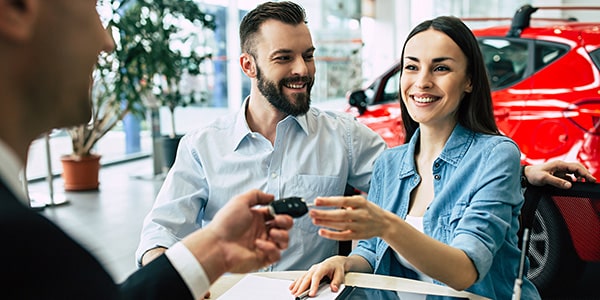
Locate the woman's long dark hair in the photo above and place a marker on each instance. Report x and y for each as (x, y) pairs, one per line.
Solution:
(475, 111)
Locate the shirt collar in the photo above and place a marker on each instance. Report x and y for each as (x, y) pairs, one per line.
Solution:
(303, 120)
(457, 145)
(241, 129)
(11, 171)
(240, 126)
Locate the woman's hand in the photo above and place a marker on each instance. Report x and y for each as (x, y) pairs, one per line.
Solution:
(357, 218)
(333, 267)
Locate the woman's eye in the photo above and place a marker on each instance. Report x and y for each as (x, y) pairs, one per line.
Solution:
(441, 68)
(410, 67)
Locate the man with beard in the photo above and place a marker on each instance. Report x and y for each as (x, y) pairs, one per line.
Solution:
(276, 143)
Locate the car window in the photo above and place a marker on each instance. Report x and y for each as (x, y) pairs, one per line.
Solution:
(546, 53)
(505, 60)
(596, 57)
(391, 89)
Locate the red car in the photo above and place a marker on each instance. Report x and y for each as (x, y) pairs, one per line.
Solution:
(545, 83)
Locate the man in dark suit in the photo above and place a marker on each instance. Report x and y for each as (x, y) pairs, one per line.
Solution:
(47, 51)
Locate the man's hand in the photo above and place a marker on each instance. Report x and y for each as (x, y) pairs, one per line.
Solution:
(557, 173)
(250, 236)
(242, 236)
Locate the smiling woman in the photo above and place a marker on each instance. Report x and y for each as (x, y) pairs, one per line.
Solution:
(539, 132)
(451, 191)
(434, 82)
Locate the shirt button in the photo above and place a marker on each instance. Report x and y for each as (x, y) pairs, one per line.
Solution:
(437, 177)
(273, 175)
(437, 165)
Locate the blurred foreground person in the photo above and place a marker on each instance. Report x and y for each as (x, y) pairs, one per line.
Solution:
(48, 49)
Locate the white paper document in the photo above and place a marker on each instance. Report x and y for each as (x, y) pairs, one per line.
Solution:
(256, 287)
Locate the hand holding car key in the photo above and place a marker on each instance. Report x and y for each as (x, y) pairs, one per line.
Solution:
(294, 207)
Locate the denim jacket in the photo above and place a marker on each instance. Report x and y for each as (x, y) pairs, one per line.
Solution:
(477, 201)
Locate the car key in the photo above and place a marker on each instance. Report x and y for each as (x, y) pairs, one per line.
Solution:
(295, 207)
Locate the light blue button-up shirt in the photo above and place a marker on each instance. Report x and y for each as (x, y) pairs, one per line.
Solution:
(313, 155)
(476, 204)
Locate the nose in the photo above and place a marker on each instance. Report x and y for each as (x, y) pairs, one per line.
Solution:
(299, 67)
(423, 80)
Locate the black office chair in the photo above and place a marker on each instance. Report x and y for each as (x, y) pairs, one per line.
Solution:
(345, 247)
(579, 192)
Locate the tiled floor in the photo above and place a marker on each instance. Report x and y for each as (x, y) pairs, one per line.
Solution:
(108, 221)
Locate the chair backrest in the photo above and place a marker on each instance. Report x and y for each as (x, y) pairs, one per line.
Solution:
(554, 258)
(533, 195)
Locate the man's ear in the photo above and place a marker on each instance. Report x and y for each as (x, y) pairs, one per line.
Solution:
(18, 18)
(248, 64)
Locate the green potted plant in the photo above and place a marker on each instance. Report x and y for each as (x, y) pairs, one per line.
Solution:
(180, 96)
(147, 35)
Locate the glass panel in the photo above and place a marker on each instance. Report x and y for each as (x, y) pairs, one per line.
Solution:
(505, 61)
(546, 53)
(391, 91)
(596, 58)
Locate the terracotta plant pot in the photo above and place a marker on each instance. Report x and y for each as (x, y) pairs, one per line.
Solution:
(80, 174)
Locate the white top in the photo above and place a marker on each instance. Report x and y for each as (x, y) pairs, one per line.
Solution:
(417, 223)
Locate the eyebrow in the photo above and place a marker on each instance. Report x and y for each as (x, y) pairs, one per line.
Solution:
(288, 51)
(435, 60)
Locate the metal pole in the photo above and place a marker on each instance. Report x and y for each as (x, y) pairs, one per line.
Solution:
(32, 202)
(61, 199)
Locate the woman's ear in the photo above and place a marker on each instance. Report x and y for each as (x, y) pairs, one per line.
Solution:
(18, 18)
(248, 64)
(469, 86)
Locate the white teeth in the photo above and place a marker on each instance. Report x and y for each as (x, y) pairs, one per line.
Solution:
(295, 86)
(425, 99)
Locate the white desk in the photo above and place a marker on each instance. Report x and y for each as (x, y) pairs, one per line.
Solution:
(358, 279)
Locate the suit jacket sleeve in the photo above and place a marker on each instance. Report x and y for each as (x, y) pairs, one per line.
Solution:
(40, 261)
(157, 280)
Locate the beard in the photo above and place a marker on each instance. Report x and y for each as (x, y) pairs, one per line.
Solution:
(274, 94)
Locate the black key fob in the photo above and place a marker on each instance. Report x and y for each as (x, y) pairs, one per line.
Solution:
(295, 207)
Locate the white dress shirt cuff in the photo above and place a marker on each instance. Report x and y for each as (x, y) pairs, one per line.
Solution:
(190, 270)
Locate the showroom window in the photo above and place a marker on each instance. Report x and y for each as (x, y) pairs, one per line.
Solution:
(335, 26)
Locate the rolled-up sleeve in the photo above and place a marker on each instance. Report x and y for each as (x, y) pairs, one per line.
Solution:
(493, 210)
